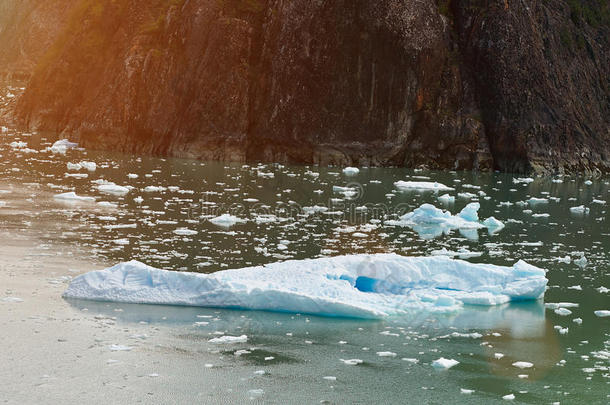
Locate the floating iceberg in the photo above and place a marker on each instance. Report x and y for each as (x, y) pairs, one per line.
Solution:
(430, 222)
(72, 196)
(360, 286)
(62, 146)
(349, 171)
(421, 185)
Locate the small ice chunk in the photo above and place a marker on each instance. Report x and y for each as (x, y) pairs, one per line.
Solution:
(466, 391)
(523, 364)
(350, 171)
(386, 354)
(352, 362)
(13, 300)
(602, 313)
(493, 225)
(330, 378)
(111, 188)
(563, 311)
(90, 166)
(446, 199)
(421, 185)
(444, 363)
(62, 146)
(577, 321)
(508, 397)
(226, 220)
(581, 209)
(185, 232)
(498, 355)
(71, 196)
(119, 348)
(226, 339)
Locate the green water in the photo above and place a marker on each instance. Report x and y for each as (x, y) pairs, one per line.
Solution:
(568, 367)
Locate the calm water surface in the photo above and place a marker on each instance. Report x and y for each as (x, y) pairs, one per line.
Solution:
(294, 213)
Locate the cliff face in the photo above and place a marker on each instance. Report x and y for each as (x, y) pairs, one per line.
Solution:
(27, 29)
(461, 84)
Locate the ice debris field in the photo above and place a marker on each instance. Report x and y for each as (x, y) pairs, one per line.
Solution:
(360, 286)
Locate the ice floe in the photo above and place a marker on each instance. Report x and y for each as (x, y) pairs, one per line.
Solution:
(444, 363)
(429, 221)
(73, 197)
(62, 146)
(421, 185)
(226, 220)
(362, 286)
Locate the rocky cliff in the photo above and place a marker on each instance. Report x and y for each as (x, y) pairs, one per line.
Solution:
(458, 84)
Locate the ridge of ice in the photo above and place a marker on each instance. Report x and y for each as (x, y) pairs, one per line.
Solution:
(360, 286)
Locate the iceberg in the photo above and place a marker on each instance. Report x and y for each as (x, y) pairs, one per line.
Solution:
(369, 286)
(61, 146)
(430, 222)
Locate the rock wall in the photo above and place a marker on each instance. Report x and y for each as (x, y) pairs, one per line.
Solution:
(462, 84)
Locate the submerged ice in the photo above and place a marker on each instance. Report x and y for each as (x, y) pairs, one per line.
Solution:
(362, 286)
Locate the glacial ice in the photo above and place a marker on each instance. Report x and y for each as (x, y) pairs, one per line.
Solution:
(430, 222)
(61, 146)
(421, 185)
(72, 196)
(349, 171)
(360, 286)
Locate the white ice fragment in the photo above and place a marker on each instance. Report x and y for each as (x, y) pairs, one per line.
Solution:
(119, 348)
(185, 232)
(71, 196)
(466, 391)
(577, 321)
(421, 185)
(498, 355)
(350, 171)
(536, 200)
(111, 188)
(563, 311)
(226, 339)
(493, 225)
(523, 364)
(226, 220)
(602, 313)
(524, 180)
(330, 378)
(446, 199)
(444, 363)
(62, 146)
(581, 209)
(90, 166)
(508, 397)
(386, 354)
(352, 362)
(13, 300)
